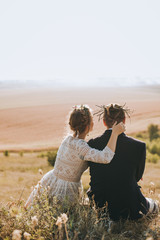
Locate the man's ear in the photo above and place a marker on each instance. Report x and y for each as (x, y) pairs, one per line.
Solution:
(104, 123)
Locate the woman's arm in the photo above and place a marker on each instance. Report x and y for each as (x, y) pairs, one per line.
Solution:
(105, 156)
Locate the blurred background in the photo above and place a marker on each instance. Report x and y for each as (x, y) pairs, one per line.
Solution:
(56, 54)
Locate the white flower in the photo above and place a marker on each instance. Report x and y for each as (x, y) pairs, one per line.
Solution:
(27, 236)
(86, 201)
(16, 235)
(64, 217)
(59, 222)
(40, 171)
(34, 221)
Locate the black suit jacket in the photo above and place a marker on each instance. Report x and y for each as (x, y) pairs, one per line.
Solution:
(116, 183)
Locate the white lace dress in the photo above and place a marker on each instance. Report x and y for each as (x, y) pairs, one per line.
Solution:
(65, 179)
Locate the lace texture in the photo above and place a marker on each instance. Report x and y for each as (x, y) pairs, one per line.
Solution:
(71, 162)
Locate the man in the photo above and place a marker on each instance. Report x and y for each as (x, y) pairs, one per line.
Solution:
(116, 183)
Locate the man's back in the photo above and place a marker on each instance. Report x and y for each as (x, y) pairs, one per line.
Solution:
(116, 182)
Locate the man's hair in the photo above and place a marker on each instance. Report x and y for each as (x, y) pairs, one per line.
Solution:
(113, 113)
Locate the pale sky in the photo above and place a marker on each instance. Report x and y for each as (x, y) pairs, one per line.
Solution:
(85, 39)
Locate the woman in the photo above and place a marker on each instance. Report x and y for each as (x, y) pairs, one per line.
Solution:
(65, 179)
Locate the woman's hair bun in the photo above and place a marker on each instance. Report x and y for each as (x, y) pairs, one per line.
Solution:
(80, 118)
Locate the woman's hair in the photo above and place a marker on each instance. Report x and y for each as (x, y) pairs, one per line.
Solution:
(113, 113)
(79, 119)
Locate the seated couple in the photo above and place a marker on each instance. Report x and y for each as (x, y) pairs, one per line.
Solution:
(116, 164)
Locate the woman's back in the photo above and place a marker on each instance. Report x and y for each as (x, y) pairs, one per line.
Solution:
(69, 166)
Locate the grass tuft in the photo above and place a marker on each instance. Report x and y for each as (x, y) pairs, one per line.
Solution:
(75, 221)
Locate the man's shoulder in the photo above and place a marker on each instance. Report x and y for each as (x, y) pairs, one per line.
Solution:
(135, 141)
(93, 142)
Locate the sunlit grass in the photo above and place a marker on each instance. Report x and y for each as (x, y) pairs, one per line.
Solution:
(70, 221)
(19, 172)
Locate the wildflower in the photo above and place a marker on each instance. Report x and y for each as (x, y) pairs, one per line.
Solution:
(40, 171)
(59, 222)
(19, 216)
(157, 202)
(152, 184)
(14, 211)
(39, 185)
(149, 238)
(64, 217)
(27, 236)
(10, 204)
(55, 200)
(151, 192)
(16, 235)
(152, 188)
(86, 201)
(140, 213)
(34, 221)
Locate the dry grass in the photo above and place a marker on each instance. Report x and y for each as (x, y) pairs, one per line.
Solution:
(82, 223)
(19, 173)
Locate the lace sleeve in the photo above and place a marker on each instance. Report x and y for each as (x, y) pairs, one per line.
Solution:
(90, 154)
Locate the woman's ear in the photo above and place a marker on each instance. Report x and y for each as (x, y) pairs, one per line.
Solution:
(87, 129)
(124, 120)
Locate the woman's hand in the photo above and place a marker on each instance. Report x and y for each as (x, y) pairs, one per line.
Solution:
(118, 128)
